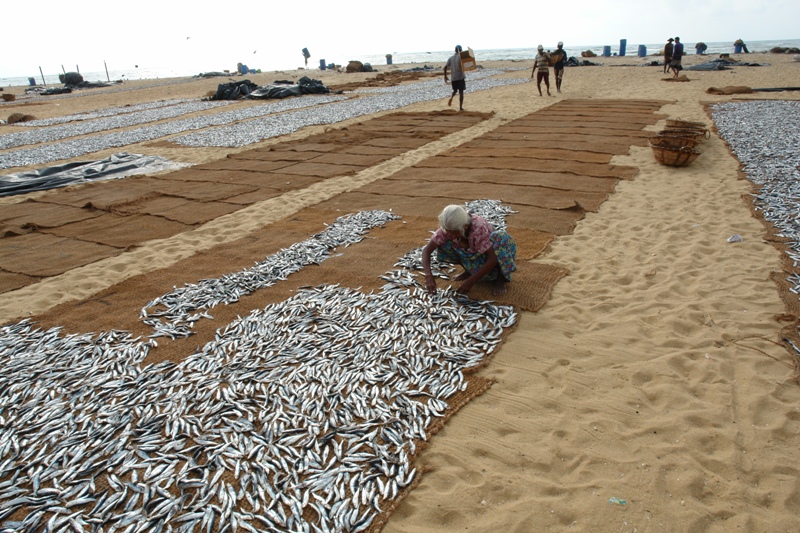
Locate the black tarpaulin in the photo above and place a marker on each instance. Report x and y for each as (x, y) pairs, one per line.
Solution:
(114, 167)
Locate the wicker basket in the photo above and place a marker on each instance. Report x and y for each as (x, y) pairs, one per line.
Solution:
(674, 157)
(690, 132)
(666, 138)
(9, 97)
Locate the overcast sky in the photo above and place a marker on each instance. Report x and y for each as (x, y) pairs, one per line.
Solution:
(270, 35)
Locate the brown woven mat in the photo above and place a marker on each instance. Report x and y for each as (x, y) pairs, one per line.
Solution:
(119, 231)
(146, 208)
(37, 254)
(553, 180)
(24, 217)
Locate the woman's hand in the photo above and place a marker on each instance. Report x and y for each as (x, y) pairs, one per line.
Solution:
(430, 283)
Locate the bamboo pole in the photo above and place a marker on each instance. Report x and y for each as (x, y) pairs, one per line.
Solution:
(107, 77)
(42, 73)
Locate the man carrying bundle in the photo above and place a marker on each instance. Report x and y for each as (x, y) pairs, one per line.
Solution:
(457, 77)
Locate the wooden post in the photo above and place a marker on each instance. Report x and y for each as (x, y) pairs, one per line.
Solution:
(78, 70)
(62, 69)
(42, 73)
(104, 64)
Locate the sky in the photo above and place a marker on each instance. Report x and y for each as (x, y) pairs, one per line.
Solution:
(209, 36)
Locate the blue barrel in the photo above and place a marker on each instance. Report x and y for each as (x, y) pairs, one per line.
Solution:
(32, 81)
(388, 59)
(606, 51)
(642, 50)
(322, 64)
(737, 48)
(622, 44)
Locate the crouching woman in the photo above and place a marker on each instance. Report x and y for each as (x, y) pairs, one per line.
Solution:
(470, 241)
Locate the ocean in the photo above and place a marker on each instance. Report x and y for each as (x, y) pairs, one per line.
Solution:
(398, 59)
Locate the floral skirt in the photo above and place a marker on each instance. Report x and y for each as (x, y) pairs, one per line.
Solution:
(505, 248)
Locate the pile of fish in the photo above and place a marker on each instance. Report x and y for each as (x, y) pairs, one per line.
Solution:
(763, 135)
(231, 128)
(100, 113)
(173, 314)
(302, 416)
(66, 149)
(86, 126)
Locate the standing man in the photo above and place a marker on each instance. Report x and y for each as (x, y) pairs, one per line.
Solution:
(558, 68)
(457, 78)
(668, 54)
(542, 62)
(677, 54)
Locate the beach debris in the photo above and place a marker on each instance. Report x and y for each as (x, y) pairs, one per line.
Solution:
(736, 89)
(8, 97)
(617, 501)
(358, 66)
(735, 238)
(71, 78)
(784, 50)
(14, 118)
(234, 90)
(722, 64)
(304, 85)
(115, 166)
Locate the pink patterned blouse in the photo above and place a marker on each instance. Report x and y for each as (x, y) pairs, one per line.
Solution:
(478, 234)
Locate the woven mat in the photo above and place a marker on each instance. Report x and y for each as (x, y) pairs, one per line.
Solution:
(145, 207)
(37, 254)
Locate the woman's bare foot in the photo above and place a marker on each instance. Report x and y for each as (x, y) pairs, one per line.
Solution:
(461, 277)
(499, 286)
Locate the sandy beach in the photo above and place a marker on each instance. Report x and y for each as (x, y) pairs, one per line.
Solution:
(651, 391)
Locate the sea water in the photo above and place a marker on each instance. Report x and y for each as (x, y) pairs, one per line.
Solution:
(399, 58)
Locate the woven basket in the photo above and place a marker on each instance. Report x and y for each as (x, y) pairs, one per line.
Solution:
(666, 138)
(9, 97)
(674, 157)
(684, 124)
(691, 132)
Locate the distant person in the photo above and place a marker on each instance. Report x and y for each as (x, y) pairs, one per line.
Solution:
(701, 48)
(677, 54)
(472, 242)
(668, 54)
(558, 67)
(457, 78)
(542, 62)
(739, 42)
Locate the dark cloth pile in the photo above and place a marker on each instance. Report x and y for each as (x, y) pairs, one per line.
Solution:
(573, 62)
(305, 85)
(721, 64)
(212, 74)
(70, 78)
(234, 90)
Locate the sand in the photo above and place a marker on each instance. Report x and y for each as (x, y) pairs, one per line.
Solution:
(654, 374)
